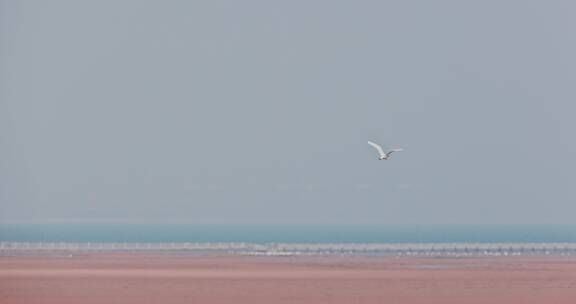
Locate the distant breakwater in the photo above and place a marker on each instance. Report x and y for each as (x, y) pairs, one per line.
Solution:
(292, 249)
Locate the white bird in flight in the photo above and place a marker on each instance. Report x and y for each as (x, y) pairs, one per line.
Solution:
(383, 155)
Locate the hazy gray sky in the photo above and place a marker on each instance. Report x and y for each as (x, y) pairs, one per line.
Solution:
(257, 111)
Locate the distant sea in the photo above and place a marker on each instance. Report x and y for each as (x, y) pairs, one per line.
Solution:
(212, 233)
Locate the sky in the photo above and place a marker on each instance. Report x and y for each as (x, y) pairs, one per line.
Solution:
(259, 111)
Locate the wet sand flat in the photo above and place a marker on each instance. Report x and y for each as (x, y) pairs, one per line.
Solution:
(149, 278)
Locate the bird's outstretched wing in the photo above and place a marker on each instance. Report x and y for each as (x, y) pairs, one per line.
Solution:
(394, 150)
(378, 147)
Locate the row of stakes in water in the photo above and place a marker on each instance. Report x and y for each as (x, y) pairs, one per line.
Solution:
(413, 249)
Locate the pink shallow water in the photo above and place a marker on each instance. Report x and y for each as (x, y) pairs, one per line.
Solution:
(123, 278)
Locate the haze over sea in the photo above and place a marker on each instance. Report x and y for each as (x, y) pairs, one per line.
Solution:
(276, 233)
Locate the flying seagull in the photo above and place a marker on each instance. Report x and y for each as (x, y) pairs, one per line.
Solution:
(383, 155)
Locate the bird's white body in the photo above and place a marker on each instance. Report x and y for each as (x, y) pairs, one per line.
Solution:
(381, 154)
